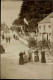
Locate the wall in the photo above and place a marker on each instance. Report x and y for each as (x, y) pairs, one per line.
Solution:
(47, 30)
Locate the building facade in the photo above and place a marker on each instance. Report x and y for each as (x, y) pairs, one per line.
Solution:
(45, 28)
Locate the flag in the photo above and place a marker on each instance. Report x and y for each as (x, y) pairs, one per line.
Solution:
(25, 21)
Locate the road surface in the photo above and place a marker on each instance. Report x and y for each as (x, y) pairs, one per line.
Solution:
(10, 68)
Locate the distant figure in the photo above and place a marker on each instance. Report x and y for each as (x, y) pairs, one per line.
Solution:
(14, 36)
(25, 57)
(6, 39)
(3, 36)
(21, 59)
(30, 56)
(43, 59)
(36, 57)
(9, 39)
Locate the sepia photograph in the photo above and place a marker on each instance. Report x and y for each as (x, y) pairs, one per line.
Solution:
(26, 47)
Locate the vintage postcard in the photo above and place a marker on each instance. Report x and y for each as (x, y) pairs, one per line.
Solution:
(26, 39)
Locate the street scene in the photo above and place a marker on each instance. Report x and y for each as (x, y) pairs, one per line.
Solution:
(26, 40)
(10, 68)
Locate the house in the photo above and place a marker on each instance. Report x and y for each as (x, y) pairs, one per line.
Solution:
(45, 28)
(4, 30)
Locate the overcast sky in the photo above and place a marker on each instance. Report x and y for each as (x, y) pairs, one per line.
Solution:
(10, 10)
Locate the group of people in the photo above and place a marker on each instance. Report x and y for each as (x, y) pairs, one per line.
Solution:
(8, 39)
(30, 57)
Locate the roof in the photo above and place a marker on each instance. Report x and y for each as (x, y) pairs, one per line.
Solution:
(46, 19)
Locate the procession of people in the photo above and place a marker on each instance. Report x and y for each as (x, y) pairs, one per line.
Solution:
(31, 57)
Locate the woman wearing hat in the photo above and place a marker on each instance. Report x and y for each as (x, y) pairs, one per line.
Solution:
(36, 57)
(30, 56)
(21, 59)
(25, 57)
(43, 59)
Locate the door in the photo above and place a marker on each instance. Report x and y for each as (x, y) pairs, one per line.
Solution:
(45, 36)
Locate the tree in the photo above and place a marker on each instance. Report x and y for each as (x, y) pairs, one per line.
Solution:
(18, 22)
(34, 9)
(44, 45)
(32, 43)
(32, 25)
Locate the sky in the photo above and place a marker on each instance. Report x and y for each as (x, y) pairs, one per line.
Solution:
(10, 10)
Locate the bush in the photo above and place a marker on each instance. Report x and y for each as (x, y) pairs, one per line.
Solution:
(2, 50)
(45, 44)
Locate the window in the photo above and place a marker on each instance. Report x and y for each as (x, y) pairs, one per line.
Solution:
(49, 34)
(40, 27)
(44, 27)
(49, 26)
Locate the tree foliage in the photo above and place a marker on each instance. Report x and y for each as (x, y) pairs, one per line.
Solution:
(45, 44)
(34, 9)
(32, 43)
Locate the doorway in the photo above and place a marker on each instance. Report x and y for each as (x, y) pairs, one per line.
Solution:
(45, 36)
